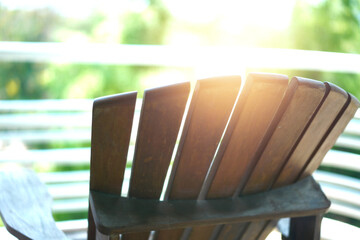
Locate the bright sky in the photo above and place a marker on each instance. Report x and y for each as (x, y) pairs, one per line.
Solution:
(273, 14)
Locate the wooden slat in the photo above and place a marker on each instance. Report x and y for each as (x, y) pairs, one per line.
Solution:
(111, 128)
(294, 115)
(308, 145)
(159, 125)
(211, 105)
(330, 108)
(287, 140)
(247, 127)
(31, 105)
(47, 135)
(287, 134)
(160, 120)
(339, 125)
(45, 120)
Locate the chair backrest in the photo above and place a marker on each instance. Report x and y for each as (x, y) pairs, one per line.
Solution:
(272, 134)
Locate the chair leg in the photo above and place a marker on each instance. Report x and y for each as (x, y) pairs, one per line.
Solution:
(94, 234)
(91, 226)
(305, 228)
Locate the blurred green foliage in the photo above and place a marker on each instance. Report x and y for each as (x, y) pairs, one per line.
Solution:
(27, 80)
(332, 26)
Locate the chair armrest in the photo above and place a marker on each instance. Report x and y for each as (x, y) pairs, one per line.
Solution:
(25, 206)
(114, 214)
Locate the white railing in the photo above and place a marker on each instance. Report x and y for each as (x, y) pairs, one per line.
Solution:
(179, 56)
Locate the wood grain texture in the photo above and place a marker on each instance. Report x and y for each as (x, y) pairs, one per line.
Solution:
(160, 120)
(307, 145)
(338, 126)
(247, 127)
(209, 111)
(294, 114)
(285, 136)
(25, 206)
(110, 137)
(333, 103)
(111, 128)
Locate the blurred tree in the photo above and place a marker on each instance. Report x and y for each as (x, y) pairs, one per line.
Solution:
(328, 26)
(146, 27)
(34, 80)
(19, 80)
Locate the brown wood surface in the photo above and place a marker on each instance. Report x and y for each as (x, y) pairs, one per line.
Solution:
(321, 121)
(251, 118)
(209, 111)
(160, 119)
(161, 115)
(329, 111)
(25, 206)
(333, 103)
(332, 135)
(111, 128)
(285, 137)
(335, 113)
(294, 115)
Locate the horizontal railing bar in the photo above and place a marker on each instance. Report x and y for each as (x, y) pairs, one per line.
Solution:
(81, 135)
(69, 190)
(341, 194)
(45, 120)
(46, 105)
(344, 209)
(353, 127)
(72, 156)
(357, 114)
(64, 177)
(350, 142)
(340, 159)
(176, 56)
(70, 205)
(337, 179)
(50, 105)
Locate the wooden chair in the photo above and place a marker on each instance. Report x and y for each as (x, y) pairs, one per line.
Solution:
(243, 161)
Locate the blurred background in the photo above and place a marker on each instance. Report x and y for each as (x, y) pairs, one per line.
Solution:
(185, 28)
(321, 25)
